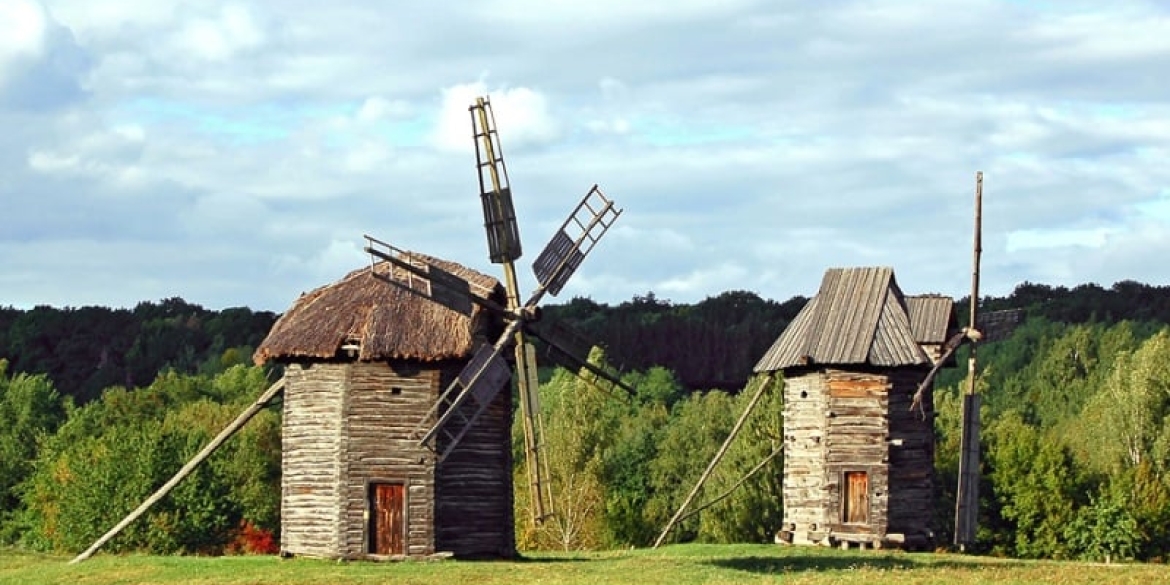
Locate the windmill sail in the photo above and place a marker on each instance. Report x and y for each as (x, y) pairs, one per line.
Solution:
(424, 278)
(998, 325)
(495, 190)
(462, 402)
(584, 227)
(482, 378)
(564, 346)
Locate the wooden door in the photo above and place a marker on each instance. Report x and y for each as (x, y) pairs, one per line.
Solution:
(856, 509)
(387, 519)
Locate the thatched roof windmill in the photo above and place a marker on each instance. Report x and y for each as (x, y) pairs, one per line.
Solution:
(377, 459)
(488, 372)
(364, 364)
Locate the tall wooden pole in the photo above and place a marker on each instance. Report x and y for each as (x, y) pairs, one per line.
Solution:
(186, 470)
(967, 494)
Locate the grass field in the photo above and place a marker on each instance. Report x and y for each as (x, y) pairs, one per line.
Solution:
(674, 565)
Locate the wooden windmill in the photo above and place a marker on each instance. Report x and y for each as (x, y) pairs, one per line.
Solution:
(378, 459)
(468, 396)
(859, 363)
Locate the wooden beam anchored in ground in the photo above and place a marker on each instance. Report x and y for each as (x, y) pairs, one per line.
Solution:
(186, 470)
(765, 381)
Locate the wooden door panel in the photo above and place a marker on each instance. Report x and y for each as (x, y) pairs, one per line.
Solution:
(856, 508)
(387, 518)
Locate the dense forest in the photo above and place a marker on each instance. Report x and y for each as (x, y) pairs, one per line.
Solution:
(86, 350)
(102, 405)
(712, 344)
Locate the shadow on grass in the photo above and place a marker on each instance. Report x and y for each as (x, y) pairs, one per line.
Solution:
(527, 558)
(771, 565)
(799, 563)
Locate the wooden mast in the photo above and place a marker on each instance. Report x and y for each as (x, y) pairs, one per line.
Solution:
(967, 494)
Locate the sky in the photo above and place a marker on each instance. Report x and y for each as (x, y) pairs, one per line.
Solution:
(234, 153)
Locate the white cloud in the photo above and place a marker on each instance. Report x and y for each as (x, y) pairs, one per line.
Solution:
(221, 36)
(522, 117)
(1058, 238)
(41, 67)
(323, 265)
(112, 154)
(23, 26)
(377, 108)
(700, 281)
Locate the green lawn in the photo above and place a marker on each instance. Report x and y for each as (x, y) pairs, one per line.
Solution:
(674, 565)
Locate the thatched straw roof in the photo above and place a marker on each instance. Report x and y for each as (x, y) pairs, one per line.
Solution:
(383, 321)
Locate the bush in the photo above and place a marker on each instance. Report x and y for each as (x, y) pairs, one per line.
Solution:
(114, 453)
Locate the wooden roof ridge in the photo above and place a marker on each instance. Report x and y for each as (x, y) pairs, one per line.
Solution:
(859, 316)
(379, 320)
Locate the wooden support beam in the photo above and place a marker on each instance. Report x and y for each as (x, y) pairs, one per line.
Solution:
(765, 382)
(742, 480)
(186, 470)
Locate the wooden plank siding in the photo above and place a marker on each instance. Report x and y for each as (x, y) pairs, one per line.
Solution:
(473, 487)
(311, 459)
(349, 425)
(839, 422)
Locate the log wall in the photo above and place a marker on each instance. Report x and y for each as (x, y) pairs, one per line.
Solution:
(311, 449)
(805, 432)
(858, 426)
(383, 406)
(473, 491)
(911, 460)
(347, 425)
(838, 421)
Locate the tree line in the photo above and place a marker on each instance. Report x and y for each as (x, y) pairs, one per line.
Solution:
(709, 344)
(1076, 433)
(1076, 438)
(1076, 456)
(88, 349)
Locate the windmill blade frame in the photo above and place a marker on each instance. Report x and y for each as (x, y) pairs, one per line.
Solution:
(565, 353)
(487, 373)
(482, 378)
(495, 189)
(998, 325)
(564, 253)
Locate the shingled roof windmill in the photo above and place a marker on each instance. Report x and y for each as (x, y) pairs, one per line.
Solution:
(488, 372)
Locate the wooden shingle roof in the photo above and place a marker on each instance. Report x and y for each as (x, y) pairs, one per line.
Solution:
(932, 317)
(381, 320)
(858, 316)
